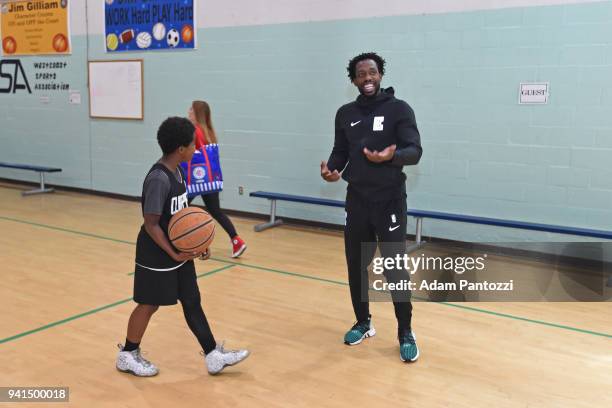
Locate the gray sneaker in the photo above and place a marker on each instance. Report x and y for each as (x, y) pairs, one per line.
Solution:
(217, 359)
(133, 362)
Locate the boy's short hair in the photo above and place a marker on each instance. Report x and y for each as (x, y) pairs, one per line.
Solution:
(173, 133)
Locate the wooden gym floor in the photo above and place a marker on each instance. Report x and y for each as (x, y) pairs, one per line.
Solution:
(66, 261)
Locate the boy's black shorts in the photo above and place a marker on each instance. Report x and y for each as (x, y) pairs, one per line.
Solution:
(165, 287)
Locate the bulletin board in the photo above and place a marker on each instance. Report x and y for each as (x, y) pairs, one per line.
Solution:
(116, 89)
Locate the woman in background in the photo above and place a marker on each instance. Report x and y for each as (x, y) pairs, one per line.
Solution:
(199, 115)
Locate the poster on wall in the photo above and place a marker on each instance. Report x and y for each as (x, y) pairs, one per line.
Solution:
(39, 27)
(149, 25)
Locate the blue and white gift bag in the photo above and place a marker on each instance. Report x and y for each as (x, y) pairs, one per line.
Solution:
(204, 171)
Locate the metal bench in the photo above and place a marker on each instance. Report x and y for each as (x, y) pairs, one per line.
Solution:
(40, 169)
(273, 197)
(420, 215)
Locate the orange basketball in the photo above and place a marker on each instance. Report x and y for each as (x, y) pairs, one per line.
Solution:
(9, 45)
(187, 33)
(191, 230)
(60, 43)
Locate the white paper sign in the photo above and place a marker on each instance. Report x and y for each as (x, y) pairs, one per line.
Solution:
(74, 97)
(533, 93)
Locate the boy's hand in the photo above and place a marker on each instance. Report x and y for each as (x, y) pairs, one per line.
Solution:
(184, 256)
(205, 255)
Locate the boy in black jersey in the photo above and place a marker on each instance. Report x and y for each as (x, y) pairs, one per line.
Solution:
(164, 275)
(375, 136)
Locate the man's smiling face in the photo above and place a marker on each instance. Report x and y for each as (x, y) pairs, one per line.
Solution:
(367, 77)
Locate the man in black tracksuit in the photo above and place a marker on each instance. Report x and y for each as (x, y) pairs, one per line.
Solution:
(376, 136)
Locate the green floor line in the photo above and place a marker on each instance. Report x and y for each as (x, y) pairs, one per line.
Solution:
(93, 311)
(524, 319)
(215, 271)
(298, 275)
(86, 234)
(261, 268)
(50, 325)
(473, 309)
(134, 243)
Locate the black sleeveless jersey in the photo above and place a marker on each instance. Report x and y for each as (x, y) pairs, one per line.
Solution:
(148, 254)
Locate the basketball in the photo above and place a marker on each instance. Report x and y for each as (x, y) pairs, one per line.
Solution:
(60, 43)
(9, 45)
(187, 33)
(191, 230)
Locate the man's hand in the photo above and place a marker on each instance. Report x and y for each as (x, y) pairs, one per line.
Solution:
(329, 175)
(379, 157)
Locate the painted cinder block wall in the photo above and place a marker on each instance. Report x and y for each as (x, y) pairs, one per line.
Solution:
(274, 74)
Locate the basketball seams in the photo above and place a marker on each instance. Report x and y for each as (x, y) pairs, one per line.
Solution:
(191, 230)
(201, 243)
(192, 210)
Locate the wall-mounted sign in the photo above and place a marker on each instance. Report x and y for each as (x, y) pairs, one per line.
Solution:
(39, 27)
(533, 93)
(149, 25)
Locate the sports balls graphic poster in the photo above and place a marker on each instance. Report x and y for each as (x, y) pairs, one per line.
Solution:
(143, 25)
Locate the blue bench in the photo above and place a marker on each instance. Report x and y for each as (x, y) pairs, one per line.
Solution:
(419, 215)
(273, 197)
(40, 169)
(556, 229)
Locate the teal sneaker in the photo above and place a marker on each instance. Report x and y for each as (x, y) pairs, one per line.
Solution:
(408, 347)
(359, 331)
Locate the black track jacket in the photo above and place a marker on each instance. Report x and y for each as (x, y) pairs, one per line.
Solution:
(375, 122)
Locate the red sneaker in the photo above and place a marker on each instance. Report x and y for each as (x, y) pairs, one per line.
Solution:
(239, 246)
